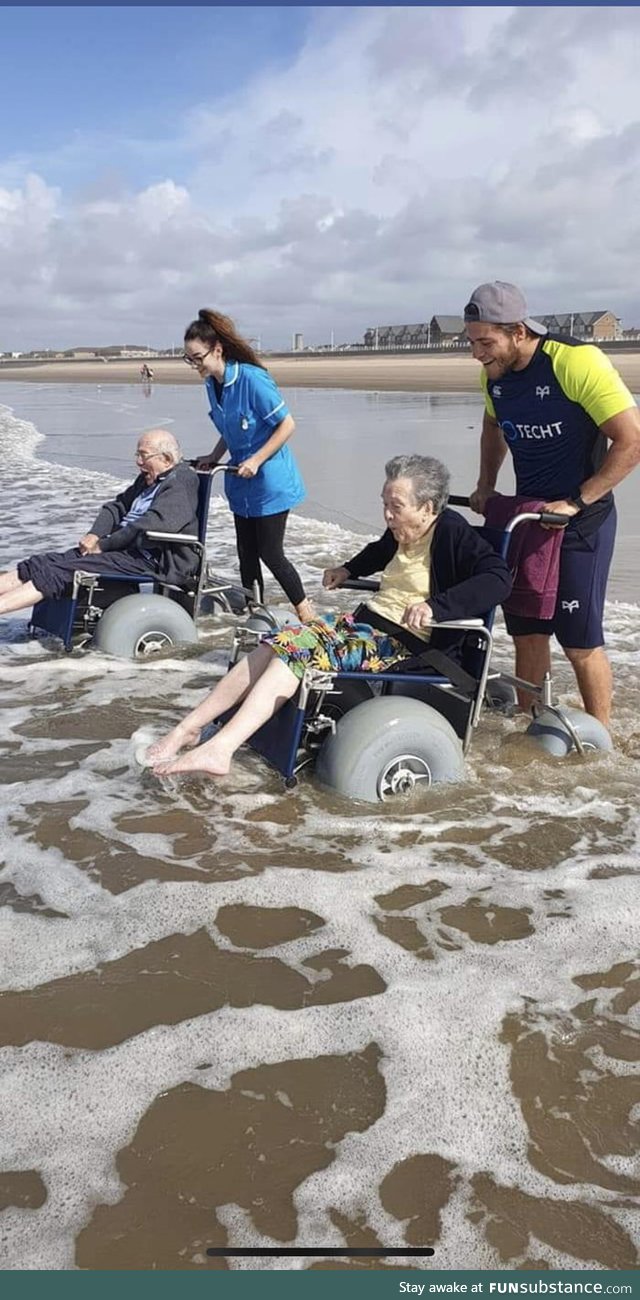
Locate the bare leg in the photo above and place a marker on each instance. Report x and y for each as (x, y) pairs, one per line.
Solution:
(8, 581)
(228, 691)
(20, 597)
(595, 683)
(272, 689)
(533, 660)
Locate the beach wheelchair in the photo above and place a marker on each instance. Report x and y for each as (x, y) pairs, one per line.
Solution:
(378, 737)
(136, 618)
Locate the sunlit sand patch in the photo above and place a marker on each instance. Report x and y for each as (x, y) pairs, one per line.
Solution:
(614, 869)
(576, 1097)
(479, 919)
(89, 722)
(170, 980)
(416, 1191)
(487, 923)
(23, 1188)
(34, 764)
(625, 977)
(10, 897)
(265, 927)
(407, 934)
(197, 1149)
(115, 865)
(405, 896)
(516, 1223)
(197, 837)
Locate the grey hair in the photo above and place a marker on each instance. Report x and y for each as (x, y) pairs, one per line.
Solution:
(429, 478)
(166, 443)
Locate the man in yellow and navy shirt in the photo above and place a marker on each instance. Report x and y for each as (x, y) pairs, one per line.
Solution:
(573, 429)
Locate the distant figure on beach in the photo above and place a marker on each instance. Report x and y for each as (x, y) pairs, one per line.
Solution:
(146, 373)
(573, 429)
(434, 566)
(162, 498)
(255, 425)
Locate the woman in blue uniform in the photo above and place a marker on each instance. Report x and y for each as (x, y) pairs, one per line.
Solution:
(255, 425)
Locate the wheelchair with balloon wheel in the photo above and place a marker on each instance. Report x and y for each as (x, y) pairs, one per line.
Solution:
(378, 737)
(138, 617)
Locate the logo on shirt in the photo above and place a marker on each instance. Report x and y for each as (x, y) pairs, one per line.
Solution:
(539, 432)
(543, 392)
(570, 605)
(496, 390)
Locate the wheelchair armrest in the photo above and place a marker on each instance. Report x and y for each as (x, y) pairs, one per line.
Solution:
(189, 538)
(360, 584)
(460, 624)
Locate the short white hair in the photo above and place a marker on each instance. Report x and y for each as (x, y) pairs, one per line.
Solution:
(164, 442)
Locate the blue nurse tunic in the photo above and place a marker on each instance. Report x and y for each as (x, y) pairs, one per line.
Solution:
(245, 409)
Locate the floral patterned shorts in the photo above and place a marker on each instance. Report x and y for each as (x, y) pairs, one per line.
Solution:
(335, 643)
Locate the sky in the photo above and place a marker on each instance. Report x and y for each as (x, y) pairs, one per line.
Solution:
(317, 170)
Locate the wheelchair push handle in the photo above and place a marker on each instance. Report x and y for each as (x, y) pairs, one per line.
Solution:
(217, 469)
(557, 520)
(548, 517)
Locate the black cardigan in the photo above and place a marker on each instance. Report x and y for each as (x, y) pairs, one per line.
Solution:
(174, 509)
(468, 577)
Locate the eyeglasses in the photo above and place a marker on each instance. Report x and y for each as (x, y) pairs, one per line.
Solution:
(195, 361)
(144, 456)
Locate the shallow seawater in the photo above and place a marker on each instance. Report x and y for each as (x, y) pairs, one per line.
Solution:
(232, 1015)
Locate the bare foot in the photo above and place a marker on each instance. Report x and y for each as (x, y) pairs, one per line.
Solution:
(171, 744)
(305, 611)
(211, 758)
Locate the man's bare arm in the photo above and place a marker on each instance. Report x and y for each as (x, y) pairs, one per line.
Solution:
(623, 432)
(493, 450)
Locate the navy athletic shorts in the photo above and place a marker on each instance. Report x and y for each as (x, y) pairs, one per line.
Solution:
(584, 569)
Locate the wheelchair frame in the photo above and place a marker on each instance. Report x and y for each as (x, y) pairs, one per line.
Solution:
(293, 737)
(74, 618)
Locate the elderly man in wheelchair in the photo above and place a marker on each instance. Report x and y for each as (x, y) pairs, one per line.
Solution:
(436, 569)
(137, 537)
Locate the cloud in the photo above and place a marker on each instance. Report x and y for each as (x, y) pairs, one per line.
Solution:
(402, 157)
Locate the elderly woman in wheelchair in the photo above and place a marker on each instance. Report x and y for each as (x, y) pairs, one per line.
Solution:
(435, 568)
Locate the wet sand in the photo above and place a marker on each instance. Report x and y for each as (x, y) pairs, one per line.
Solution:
(375, 372)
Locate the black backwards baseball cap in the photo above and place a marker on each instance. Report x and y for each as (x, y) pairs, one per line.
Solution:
(500, 303)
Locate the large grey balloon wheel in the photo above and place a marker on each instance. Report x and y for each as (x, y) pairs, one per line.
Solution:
(231, 599)
(548, 731)
(388, 747)
(500, 696)
(268, 620)
(139, 626)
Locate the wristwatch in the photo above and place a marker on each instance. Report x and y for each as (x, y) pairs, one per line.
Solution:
(577, 501)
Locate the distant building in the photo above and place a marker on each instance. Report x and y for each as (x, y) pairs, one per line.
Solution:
(446, 331)
(439, 332)
(592, 326)
(298, 343)
(397, 336)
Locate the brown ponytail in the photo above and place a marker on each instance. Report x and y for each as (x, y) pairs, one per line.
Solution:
(212, 327)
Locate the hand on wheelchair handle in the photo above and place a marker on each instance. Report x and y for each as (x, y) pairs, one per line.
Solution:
(333, 578)
(557, 514)
(479, 497)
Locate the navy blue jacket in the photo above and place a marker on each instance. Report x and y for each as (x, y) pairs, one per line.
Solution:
(468, 577)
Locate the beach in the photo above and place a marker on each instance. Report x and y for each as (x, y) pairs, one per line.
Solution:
(237, 1016)
(375, 372)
